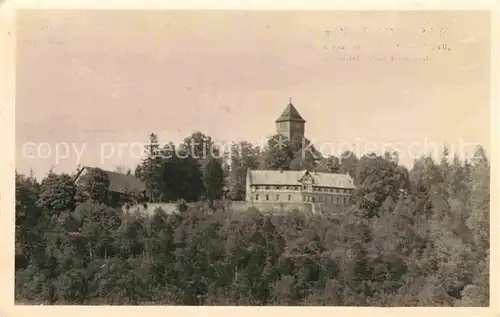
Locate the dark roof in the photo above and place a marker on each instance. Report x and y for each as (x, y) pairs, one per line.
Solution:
(273, 177)
(120, 183)
(290, 114)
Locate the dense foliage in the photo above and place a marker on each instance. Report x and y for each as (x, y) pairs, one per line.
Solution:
(416, 237)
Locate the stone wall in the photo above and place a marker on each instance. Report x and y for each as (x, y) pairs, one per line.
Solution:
(150, 208)
(242, 206)
(316, 208)
(271, 207)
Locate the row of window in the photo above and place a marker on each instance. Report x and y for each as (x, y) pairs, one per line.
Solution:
(282, 125)
(319, 189)
(322, 198)
(328, 199)
(285, 124)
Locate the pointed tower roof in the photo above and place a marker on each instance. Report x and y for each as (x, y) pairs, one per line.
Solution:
(290, 114)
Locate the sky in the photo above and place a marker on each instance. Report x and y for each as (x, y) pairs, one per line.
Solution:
(92, 85)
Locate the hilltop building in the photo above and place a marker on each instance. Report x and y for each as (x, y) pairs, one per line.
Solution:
(280, 186)
(290, 124)
(121, 187)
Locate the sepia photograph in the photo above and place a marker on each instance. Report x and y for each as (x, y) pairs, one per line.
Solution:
(252, 158)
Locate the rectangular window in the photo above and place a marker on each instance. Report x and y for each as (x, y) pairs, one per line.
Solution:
(267, 197)
(256, 197)
(277, 197)
(337, 200)
(312, 199)
(289, 197)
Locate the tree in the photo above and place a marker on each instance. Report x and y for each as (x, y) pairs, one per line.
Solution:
(348, 162)
(28, 216)
(182, 176)
(57, 193)
(244, 156)
(151, 169)
(330, 164)
(295, 154)
(479, 219)
(277, 153)
(304, 154)
(414, 238)
(213, 176)
(378, 179)
(95, 186)
(199, 146)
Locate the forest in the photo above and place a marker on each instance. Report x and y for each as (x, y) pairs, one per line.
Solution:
(410, 237)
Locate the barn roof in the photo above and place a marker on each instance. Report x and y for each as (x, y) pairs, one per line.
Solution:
(119, 183)
(273, 177)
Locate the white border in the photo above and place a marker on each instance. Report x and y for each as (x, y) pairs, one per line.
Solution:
(7, 159)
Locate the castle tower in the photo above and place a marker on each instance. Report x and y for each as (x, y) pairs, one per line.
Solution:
(290, 124)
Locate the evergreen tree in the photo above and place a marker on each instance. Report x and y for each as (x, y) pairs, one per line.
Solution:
(213, 176)
(151, 169)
